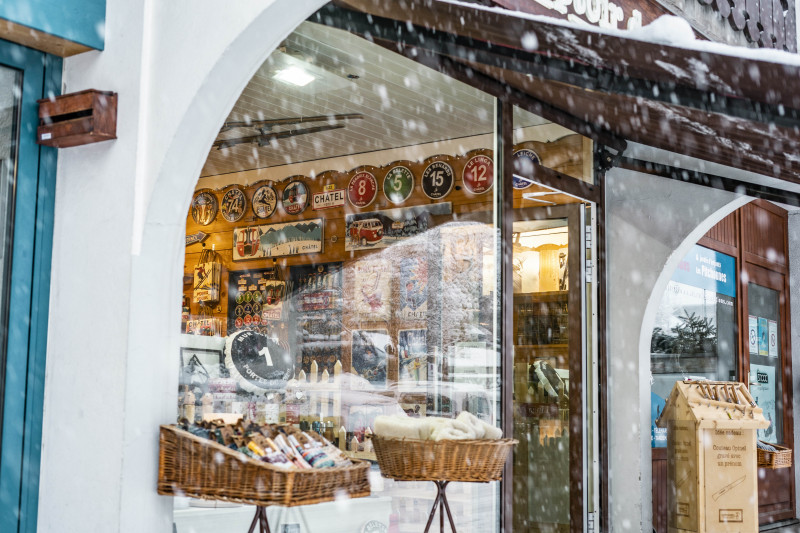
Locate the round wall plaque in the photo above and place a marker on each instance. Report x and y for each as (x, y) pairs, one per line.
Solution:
(204, 207)
(363, 189)
(234, 203)
(295, 197)
(265, 199)
(523, 164)
(478, 174)
(437, 180)
(257, 362)
(398, 184)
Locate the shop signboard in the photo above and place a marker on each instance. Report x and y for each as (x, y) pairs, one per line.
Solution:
(380, 229)
(709, 270)
(327, 199)
(278, 240)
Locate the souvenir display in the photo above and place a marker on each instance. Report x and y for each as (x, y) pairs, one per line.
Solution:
(362, 189)
(204, 326)
(412, 347)
(207, 277)
(265, 199)
(478, 176)
(295, 197)
(372, 295)
(257, 361)
(437, 180)
(398, 184)
(254, 300)
(204, 207)
(523, 163)
(276, 240)
(369, 352)
(318, 301)
(380, 229)
(234, 203)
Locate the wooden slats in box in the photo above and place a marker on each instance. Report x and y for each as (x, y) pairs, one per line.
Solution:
(201, 468)
(78, 118)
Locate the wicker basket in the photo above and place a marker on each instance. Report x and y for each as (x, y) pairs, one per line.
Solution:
(201, 468)
(443, 460)
(782, 458)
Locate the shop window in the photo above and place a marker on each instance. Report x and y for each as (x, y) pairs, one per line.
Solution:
(764, 327)
(345, 220)
(694, 336)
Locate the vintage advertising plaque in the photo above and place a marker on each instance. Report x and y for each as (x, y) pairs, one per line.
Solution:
(265, 199)
(328, 199)
(523, 164)
(204, 207)
(398, 184)
(295, 197)
(478, 174)
(363, 189)
(437, 180)
(277, 240)
(234, 203)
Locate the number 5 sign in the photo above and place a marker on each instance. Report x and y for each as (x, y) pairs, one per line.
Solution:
(478, 174)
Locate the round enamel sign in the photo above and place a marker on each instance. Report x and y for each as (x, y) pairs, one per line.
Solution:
(265, 199)
(523, 164)
(295, 197)
(234, 203)
(204, 208)
(256, 361)
(478, 174)
(398, 185)
(437, 180)
(363, 189)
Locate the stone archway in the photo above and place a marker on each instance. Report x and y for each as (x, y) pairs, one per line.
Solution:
(651, 223)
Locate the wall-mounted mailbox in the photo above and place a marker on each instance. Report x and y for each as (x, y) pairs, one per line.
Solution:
(78, 118)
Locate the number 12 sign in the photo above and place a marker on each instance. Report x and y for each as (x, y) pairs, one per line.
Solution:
(478, 174)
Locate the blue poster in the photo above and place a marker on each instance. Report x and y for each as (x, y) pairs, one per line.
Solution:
(707, 269)
(658, 436)
(763, 336)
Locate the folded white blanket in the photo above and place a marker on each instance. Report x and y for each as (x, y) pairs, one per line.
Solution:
(465, 426)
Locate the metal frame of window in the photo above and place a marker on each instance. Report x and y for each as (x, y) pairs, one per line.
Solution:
(28, 294)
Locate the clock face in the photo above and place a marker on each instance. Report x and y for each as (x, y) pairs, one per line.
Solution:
(374, 526)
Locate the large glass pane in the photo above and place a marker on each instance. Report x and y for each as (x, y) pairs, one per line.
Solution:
(766, 380)
(10, 92)
(341, 264)
(695, 328)
(550, 343)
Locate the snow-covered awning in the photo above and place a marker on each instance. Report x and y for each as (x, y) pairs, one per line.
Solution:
(656, 86)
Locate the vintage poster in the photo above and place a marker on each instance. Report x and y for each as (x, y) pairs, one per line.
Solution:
(207, 282)
(380, 229)
(412, 347)
(373, 285)
(370, 355)
(762, 388)
(413, 274)
(763, 334)
(277, 240)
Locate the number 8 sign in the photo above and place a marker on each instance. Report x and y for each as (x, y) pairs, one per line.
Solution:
(478, 174)
(363, 189)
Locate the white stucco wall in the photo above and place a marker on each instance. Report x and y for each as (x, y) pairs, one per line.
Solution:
(117, 261)
(651, 223)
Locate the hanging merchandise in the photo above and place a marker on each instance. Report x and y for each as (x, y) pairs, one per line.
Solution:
(207, 276)
(205, 324)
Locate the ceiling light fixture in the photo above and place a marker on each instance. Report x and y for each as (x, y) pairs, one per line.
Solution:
(294, 75)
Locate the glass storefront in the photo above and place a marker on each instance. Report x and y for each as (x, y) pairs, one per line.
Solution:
(342, 263)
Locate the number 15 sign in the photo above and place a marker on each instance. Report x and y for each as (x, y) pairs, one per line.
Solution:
(478, 174)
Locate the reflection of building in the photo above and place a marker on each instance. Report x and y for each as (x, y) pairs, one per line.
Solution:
(689, 158)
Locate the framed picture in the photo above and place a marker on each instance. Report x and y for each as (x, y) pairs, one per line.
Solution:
(278, 240)
(370, 353)
(199, 366)
(412, 347)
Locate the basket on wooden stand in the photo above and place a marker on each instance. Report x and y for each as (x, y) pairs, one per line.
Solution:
(442, 461)
(201, 468)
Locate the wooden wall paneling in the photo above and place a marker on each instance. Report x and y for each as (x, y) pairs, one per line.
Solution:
(725, 231)
(761, 225)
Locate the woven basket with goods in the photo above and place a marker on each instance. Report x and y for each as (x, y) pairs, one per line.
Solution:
(407, 459)
(773, 456)
(192, 465)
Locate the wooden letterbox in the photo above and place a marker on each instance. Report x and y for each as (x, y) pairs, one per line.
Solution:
(712, 483)
(78, 118)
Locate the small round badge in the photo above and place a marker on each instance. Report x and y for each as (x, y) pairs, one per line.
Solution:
(478, 174)
(398, 184)
(234, 203)
(363, 189)
(265, 199)
(437, 180)
(204, 208)
(523, 164)
(295, 197)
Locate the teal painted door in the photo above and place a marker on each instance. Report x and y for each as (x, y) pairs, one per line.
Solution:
(27, 190)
